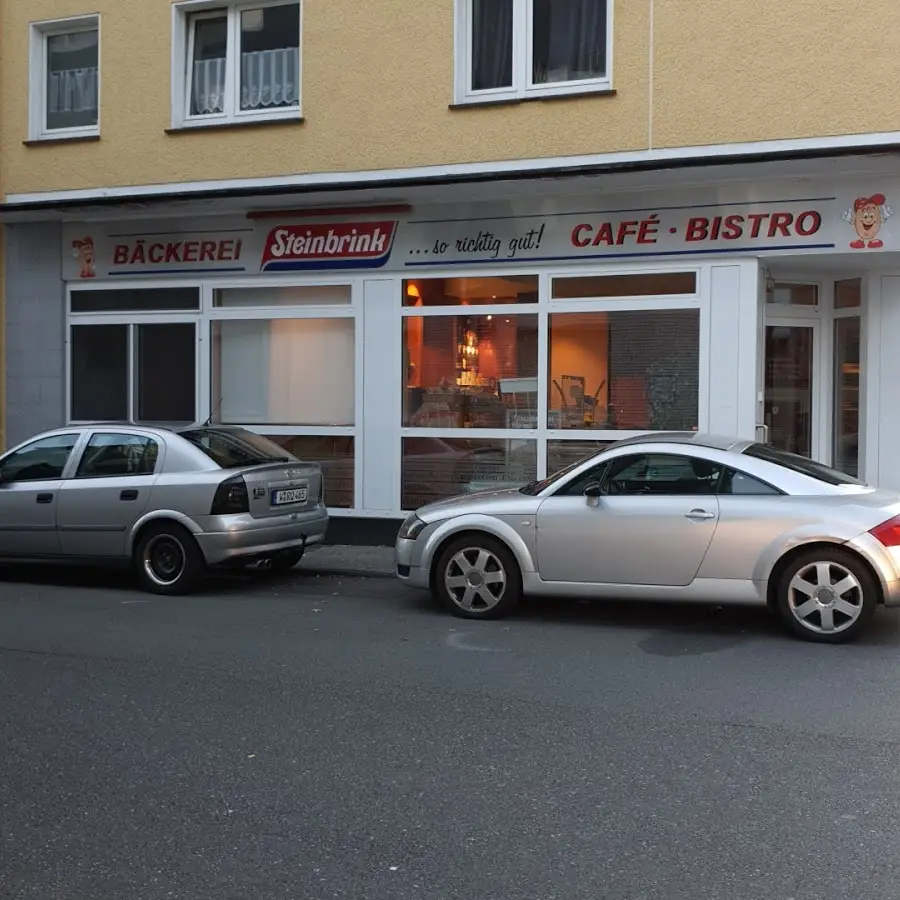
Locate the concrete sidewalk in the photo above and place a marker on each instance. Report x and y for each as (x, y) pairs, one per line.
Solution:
(341, 559)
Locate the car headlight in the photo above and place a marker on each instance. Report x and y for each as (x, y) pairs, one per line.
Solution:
(411, 528)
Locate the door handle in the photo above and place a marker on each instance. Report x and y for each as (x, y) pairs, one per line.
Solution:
(699, 514)
(128, 495)
(44, 498)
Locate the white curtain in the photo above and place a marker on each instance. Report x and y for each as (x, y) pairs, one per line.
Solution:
(268, 78)
(72, 91)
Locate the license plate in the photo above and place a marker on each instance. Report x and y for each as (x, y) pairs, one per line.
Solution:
(295, 495)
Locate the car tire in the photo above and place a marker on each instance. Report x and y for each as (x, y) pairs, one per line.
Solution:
(285, 560)
(168, 560)
(477, 577)
(826, 595)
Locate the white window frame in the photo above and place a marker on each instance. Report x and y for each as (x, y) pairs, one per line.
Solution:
(523, 86)
(39, 32)
(183, 53)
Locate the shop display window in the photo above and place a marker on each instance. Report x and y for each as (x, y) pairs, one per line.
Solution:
(650, 284)
(284, 371)
(159, 360)
(470, 291)
(561, 454)
(624, 371)
(135, 300)
(336, 456)
(436, 468)
(279, 295)
(476, 371)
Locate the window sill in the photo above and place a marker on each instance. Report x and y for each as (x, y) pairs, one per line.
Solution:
(542, 98)
(228, 126)
(62, 139)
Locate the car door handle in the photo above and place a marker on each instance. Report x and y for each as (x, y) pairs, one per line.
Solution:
(128, 495)
(44, 498)
(699, 514)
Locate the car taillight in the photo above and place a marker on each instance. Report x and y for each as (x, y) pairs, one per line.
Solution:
(322, 489)
(231, 497)
(888, 532)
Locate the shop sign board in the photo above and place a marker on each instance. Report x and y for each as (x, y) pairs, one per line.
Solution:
(860, 218)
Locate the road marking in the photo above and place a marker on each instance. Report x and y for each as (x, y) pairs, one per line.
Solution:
(127, 602)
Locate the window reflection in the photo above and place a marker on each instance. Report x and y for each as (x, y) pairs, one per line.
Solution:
(437, 468)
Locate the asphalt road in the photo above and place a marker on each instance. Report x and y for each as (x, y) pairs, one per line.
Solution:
(324, 738)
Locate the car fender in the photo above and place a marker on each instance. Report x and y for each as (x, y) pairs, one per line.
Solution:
(792, 540)
(474, 522)
(156, 514)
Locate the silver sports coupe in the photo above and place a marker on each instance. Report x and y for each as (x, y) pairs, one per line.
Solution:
(172, 502)
(670, 516)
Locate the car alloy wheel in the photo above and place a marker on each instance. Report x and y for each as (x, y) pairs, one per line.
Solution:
(827, 596)
(164, 559)
(475, 579)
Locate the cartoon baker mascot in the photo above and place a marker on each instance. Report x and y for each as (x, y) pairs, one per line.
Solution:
(867, 215)
(83, 251)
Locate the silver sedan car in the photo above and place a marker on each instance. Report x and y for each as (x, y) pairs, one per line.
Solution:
(172, 502)
(672, 516)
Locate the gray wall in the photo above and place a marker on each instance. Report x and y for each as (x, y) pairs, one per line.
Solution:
(35, 330)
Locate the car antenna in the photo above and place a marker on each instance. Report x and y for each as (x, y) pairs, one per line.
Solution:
(208, 422)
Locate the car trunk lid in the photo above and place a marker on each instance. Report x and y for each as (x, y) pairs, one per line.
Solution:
(275, 489)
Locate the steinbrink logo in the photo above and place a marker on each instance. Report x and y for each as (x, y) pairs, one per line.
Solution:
(344, 245)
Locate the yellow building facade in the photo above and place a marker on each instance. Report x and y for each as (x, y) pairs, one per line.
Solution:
(656, 209)
(378, 91)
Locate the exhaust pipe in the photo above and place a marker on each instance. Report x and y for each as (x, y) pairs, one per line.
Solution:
(263, 564)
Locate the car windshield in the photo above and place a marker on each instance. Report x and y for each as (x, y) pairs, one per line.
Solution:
(535, 487)
(233, 448)
(801, 464)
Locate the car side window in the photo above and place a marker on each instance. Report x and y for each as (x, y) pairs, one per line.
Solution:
(662, 474)
(734, 483)
(575, 488)
(41, 460)
(118, 455)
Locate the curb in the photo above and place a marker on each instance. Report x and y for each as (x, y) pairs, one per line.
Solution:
(346, 573)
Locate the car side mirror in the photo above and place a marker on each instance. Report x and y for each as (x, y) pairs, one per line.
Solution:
(593, 492)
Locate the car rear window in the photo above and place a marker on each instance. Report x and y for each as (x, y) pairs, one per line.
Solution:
(233, 448)
(801, 464)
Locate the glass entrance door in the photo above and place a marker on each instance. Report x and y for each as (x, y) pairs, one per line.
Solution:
(790, 402)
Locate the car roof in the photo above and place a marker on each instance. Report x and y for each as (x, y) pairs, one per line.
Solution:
(696, 438)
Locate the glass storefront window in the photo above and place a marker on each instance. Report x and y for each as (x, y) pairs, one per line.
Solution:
(161, 364)
(848, 293)
(653, 284)
(165, 372)
(135, 300)
(99, 376)
(336, 457)
(470, 291)
(564, 453)
(846, 395)
(277, 295)
(284, 371)
(470, 371)
(625, 371)
(437, 468)
(793, 294)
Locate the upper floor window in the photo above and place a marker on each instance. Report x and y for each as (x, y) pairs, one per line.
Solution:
(513, 49)
(239, 62)
(65, 78)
